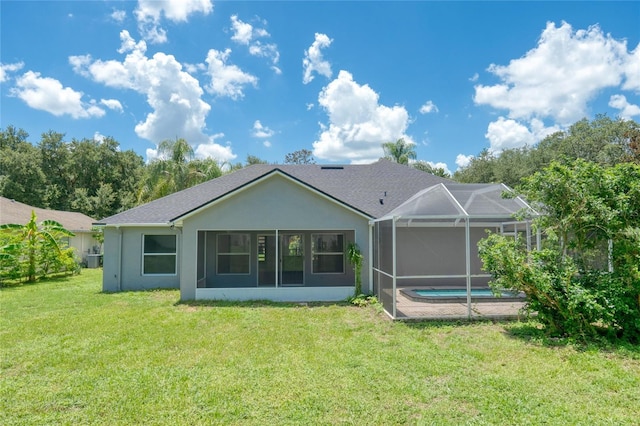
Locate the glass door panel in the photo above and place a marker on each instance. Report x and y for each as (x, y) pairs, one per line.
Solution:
(267, 260)
(291, 259)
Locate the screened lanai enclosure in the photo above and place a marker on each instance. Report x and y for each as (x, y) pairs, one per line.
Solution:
(425, 252)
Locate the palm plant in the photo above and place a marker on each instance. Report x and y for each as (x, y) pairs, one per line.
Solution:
(36, 248)
(399, 151)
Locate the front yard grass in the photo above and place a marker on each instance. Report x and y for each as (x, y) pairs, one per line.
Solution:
(73, 355)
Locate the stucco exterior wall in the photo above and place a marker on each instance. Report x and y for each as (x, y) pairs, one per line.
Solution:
(275, 203)
(83, 242)
(438, 251)
(122, 262)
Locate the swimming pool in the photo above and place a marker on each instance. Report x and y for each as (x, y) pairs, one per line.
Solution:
(459, 295)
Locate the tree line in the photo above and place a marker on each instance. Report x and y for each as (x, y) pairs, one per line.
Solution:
(98, 179)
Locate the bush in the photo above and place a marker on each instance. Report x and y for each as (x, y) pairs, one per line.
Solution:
(575, 284)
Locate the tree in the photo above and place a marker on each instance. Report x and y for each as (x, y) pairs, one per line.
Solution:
(602, 140)
(399, 151)
(54, 155)
(428, 168)
(588, 274)
(302, 156)
(35, 249)
(21, 177)
(252, 159)
(175, 169)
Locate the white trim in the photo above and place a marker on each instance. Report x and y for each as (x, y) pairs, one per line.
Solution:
(218, 254)
(279, 294)
(145, 254)
(274, 172)
(343, 253)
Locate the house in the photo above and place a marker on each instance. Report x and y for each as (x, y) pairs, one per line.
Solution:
(277, 232)
(85, 244)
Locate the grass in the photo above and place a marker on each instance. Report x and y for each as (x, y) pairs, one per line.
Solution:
(73, 355)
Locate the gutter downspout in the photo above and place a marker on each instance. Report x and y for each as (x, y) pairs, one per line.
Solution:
(370, 266)
(119, 258)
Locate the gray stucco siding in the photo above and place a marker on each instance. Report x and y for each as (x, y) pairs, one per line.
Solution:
(123, 260)
(437, 251)
(276, 203)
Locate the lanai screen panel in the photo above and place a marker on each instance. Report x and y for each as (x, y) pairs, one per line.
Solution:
(485, 200)
(384, 272)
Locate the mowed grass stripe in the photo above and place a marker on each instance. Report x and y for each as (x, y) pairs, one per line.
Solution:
(73, 355)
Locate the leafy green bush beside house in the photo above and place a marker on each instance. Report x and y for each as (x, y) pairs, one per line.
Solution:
(586, 279)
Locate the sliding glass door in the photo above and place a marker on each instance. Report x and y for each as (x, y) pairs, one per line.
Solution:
(284, 260)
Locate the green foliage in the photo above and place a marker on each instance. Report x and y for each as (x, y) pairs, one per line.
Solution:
(399, 151)
(355, 259)
(364, 300)
(569, 282)
(603, 141)
(426, 167)
(32, 250)
(175, 169)
(302, 156)
(89, 176)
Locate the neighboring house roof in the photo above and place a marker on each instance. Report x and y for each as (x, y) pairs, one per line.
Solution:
(372, 189)
(15, 212)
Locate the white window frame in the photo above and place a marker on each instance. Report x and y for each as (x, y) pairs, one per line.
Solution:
(174, 254)
(219, 253)
(315, 252)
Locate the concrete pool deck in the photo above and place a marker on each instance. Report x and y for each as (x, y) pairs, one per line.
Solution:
(411, 309)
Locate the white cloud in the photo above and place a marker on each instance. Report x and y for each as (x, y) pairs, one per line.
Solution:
(627, 110)
(173, 94)
(474, 77)
(48, 94)
(428, 107)
(314, 61)
(226, 80)
(215, 150)
(267, 144)
(260, 131)
(358, 125)
(632, 71)
(112, 104)
(463, 160)
(151, 154)
(118, 16)
(246, 34)
(507, 133)
(558, 77)
(440, 165)
(98, 137)
(7, 68)
(150, 12)
(242, 32)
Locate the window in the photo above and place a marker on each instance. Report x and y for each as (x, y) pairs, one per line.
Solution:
(234, 253)
(328, 253)
(159, 255)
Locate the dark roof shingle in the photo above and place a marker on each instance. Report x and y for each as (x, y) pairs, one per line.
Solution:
(358, 186)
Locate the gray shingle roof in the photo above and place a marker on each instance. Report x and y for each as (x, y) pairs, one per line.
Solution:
(358, 186)
(19, 213)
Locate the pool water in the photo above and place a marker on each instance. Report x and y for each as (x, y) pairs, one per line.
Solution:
(458, 293)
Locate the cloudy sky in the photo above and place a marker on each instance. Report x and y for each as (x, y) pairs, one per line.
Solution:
(338, 78)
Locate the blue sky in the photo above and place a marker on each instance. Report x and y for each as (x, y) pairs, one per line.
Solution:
(337, 78)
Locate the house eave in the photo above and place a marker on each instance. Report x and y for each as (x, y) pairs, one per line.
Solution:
(179, 219)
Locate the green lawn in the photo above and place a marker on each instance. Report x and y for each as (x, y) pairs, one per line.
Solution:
(72, 355)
